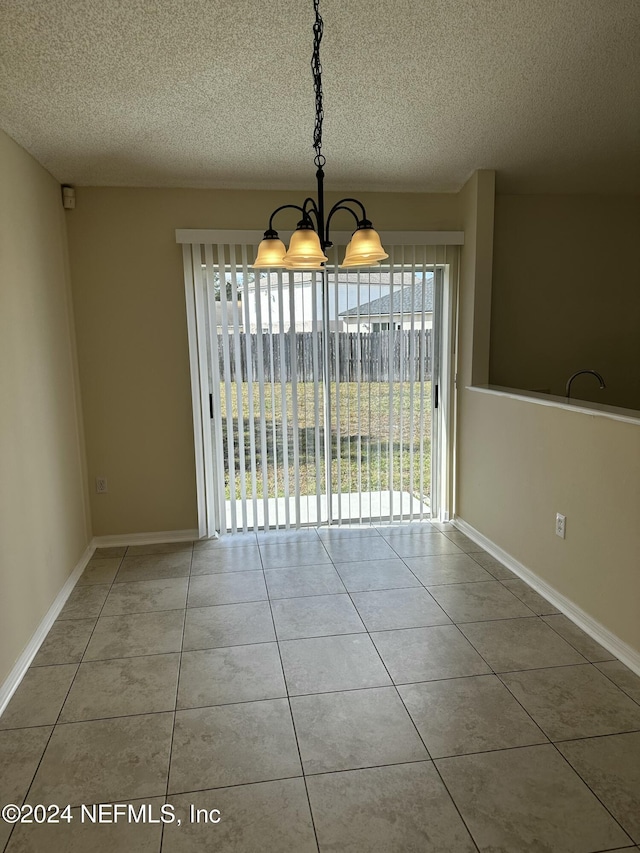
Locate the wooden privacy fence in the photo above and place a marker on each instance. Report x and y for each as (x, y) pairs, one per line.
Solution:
(399, 356)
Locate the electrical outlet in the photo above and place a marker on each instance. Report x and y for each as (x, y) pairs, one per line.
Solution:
(561, 525)
(101, 485)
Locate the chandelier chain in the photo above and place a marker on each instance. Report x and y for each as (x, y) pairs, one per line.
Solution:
(316, 68)
(311, 238)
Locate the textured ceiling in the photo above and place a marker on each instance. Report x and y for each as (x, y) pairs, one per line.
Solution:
(418, 93)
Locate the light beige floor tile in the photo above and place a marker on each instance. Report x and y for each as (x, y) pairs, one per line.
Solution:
(284, 554)
(421, 544)
(100, 571)
(577, 638)
(376, 574)
(321, 664)
(275, 537)
(463, 715)
(148, 567)
(462, 541)
(360, 531)
(110, 551)
(80, 836)
(447, 568)
(359, 728)
(514, 644)
(218, 560)
(6, 829)
(409, 528)
(123, 687)
(533, 600)
(573, 701)
(386, 810)
(476, 602)
(159, 548)
(231, 540)
(528, 799)
(303, 580)
(493, 566)
(230, 588)
(345, 550)
(20, 753)
(105, 761)
(85, 602)
(315, 616)
(232, 745)
(144, 596)
(257, 818)
(398, 608)
(230, 675)
(442, 526)
(623, 677)
(65, 642)
(611, 768)
(136, 634)
(228, 625)
(39, 697)
(422, 654)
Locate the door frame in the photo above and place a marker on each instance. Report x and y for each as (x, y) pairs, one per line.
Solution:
(194, 243)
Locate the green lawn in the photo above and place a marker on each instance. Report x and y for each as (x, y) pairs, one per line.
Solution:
(361, 461)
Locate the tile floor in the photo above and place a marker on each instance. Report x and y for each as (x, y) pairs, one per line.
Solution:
(390, 689)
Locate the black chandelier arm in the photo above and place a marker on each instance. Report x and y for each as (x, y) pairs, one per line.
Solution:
(340, 205)
(336, 208)
(309, 206)
(285, 207)
(311, 202)
(354, 201)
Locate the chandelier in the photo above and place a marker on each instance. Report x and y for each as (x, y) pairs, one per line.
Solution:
(311, 238)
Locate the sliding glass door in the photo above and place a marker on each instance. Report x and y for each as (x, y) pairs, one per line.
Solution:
(323, 389)
(381, 379)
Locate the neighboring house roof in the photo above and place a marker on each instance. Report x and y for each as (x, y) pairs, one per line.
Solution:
(403, 302)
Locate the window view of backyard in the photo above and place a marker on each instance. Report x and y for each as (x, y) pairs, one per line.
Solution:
(270, 344)
(367, 459)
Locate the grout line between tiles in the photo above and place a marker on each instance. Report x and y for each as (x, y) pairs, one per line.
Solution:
(584, 781)
(293, 722)
(553, 743)
(395, 687)
(175, 705)
(234, 785)
(319, 693)
(54, 726)
(594, 662)
(594, 737)
(569, 641)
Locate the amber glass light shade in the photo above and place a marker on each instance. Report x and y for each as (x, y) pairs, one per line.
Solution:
(271, 252)
(364, 249)
(305, 251)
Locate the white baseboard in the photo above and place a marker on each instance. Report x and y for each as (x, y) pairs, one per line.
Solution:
(623, 651)
(11, 683)
(145, 538)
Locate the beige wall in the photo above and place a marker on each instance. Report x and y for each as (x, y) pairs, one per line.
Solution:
(566, 295)
(519, 463)
(128, 291)
(532, 461)
(43, 524)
